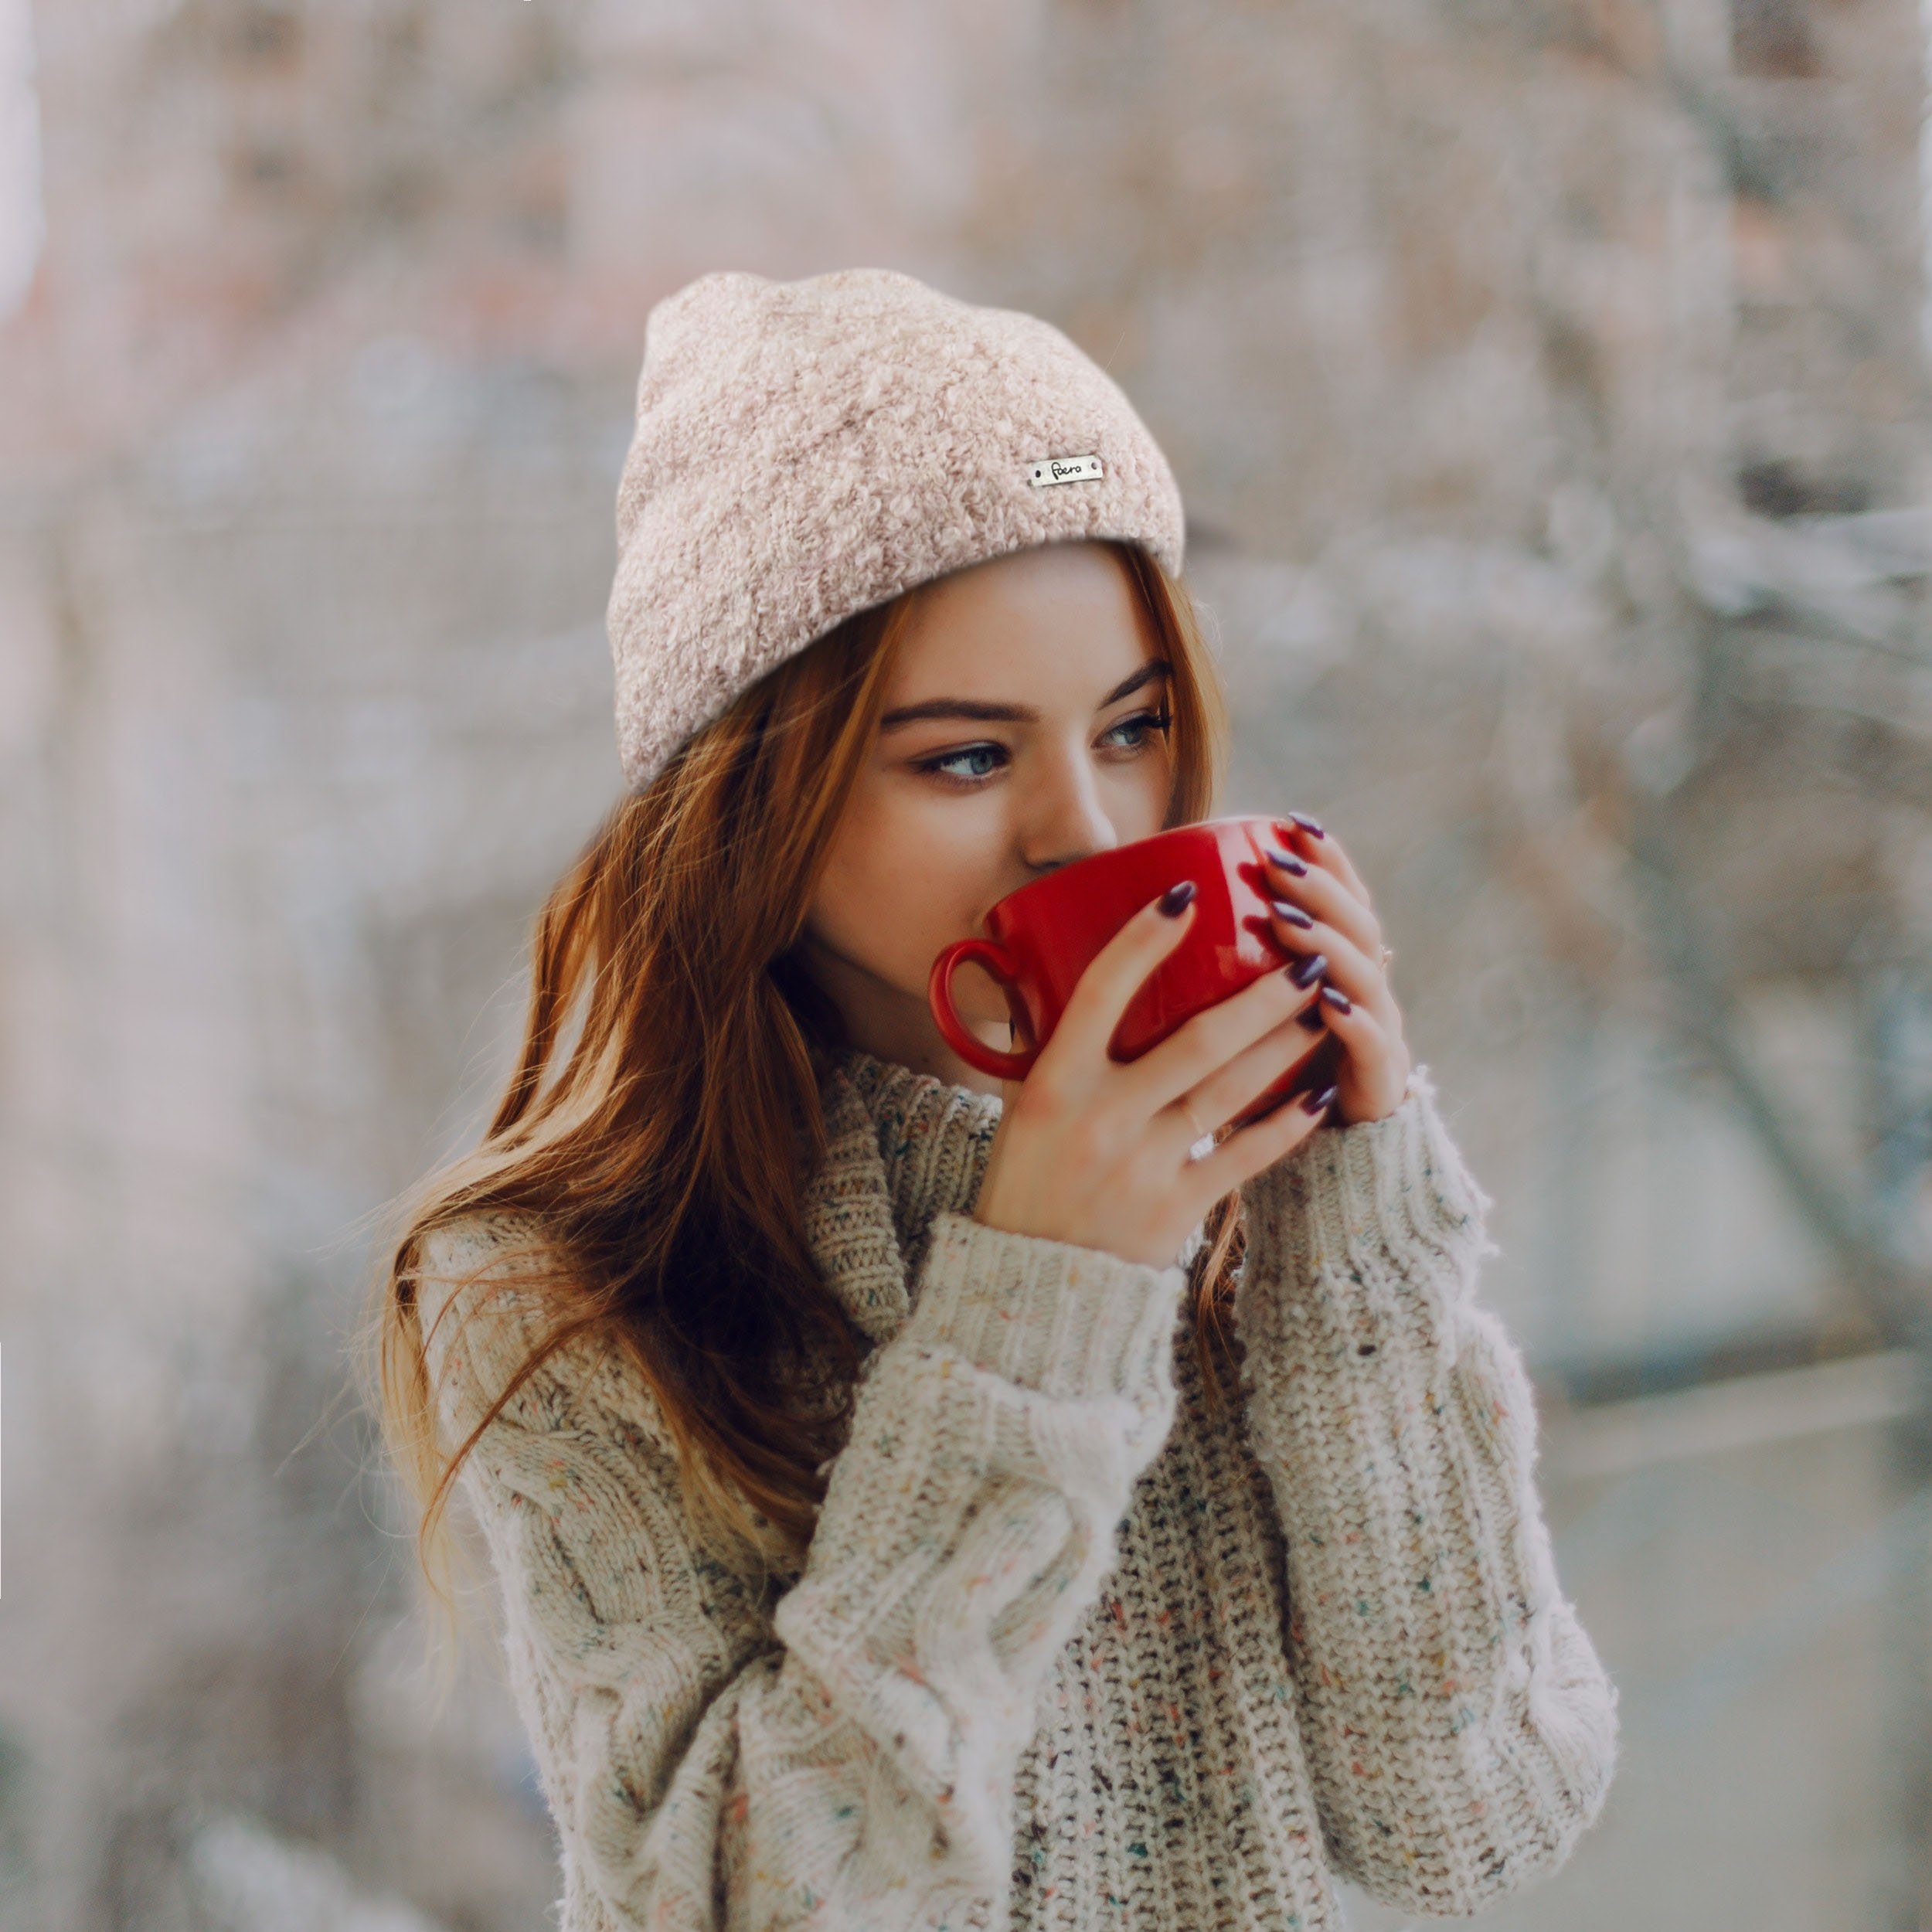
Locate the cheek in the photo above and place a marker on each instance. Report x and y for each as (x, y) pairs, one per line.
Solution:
(901, 883)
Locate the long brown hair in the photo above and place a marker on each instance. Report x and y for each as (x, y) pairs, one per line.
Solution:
(659, 1155)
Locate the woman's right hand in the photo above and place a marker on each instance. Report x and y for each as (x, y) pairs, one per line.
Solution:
(1095, 1150)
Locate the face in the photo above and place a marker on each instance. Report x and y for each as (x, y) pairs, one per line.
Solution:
(1021, 731)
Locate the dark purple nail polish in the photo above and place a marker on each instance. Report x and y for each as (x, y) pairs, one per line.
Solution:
(1310, 1017)
(1292, 914)
(1319, 1103)
(1305, 972)
(1286, 861)
(1307, 824)
(1176, 896)
(1337, 999)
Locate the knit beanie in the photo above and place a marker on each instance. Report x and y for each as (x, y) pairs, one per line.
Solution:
(805, 450)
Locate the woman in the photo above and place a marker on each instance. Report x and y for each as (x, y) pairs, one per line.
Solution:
(919, 1501)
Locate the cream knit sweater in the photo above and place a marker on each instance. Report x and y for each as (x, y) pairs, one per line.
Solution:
(1068, 1651)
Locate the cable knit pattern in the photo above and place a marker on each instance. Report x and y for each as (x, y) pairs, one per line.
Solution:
(1040, 1669)
(1457, 1722)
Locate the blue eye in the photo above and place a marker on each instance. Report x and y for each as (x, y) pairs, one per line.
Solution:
(1147, 722)
(939, 765)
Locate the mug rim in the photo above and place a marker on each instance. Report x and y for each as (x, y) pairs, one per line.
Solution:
(1195, 826)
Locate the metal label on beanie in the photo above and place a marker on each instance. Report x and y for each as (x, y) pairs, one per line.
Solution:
(1065, 469)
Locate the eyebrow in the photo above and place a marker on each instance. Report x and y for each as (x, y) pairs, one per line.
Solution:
(979, 712)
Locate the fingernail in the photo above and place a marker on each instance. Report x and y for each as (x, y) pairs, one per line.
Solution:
(1310, 1017)
(1337, 999)
(1286, 860)
(1308, 824)
(1318, 1103)
(1292, 914)
(1305, 972)
(1176, 896)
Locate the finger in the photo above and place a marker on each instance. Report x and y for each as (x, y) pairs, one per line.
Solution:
(1367, 1043)
(1283, 1052)
(1111, 979)
(1321, 896)
(1316, 845)
(1201, 1046)
(1261, 1144)
(1358, 974)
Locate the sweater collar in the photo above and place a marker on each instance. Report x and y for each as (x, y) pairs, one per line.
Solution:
(900, 1147)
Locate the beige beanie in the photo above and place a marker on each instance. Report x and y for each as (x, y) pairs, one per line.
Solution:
(805, 450)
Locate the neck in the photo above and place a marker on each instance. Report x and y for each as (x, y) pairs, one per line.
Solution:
(896, 1024)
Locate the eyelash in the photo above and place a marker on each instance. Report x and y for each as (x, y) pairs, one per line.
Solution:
(1154, 720)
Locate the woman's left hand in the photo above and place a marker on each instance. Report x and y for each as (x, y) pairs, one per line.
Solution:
(1311, 874)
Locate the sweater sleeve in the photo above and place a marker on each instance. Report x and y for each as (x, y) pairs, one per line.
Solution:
(1460, 1730)
(846, 1761)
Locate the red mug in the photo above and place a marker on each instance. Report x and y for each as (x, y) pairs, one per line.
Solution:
(1041, 939)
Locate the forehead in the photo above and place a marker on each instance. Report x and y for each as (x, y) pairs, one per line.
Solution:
(1053, 615)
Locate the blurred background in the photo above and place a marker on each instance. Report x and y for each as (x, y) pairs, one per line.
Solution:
(1547, 383)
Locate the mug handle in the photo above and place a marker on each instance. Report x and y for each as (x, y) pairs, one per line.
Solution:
(939, 995)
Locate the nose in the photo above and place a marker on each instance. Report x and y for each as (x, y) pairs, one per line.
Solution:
(1067, 820)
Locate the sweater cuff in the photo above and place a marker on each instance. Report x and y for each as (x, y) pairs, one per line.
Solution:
(1375, 1197)
(1066, 1320)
